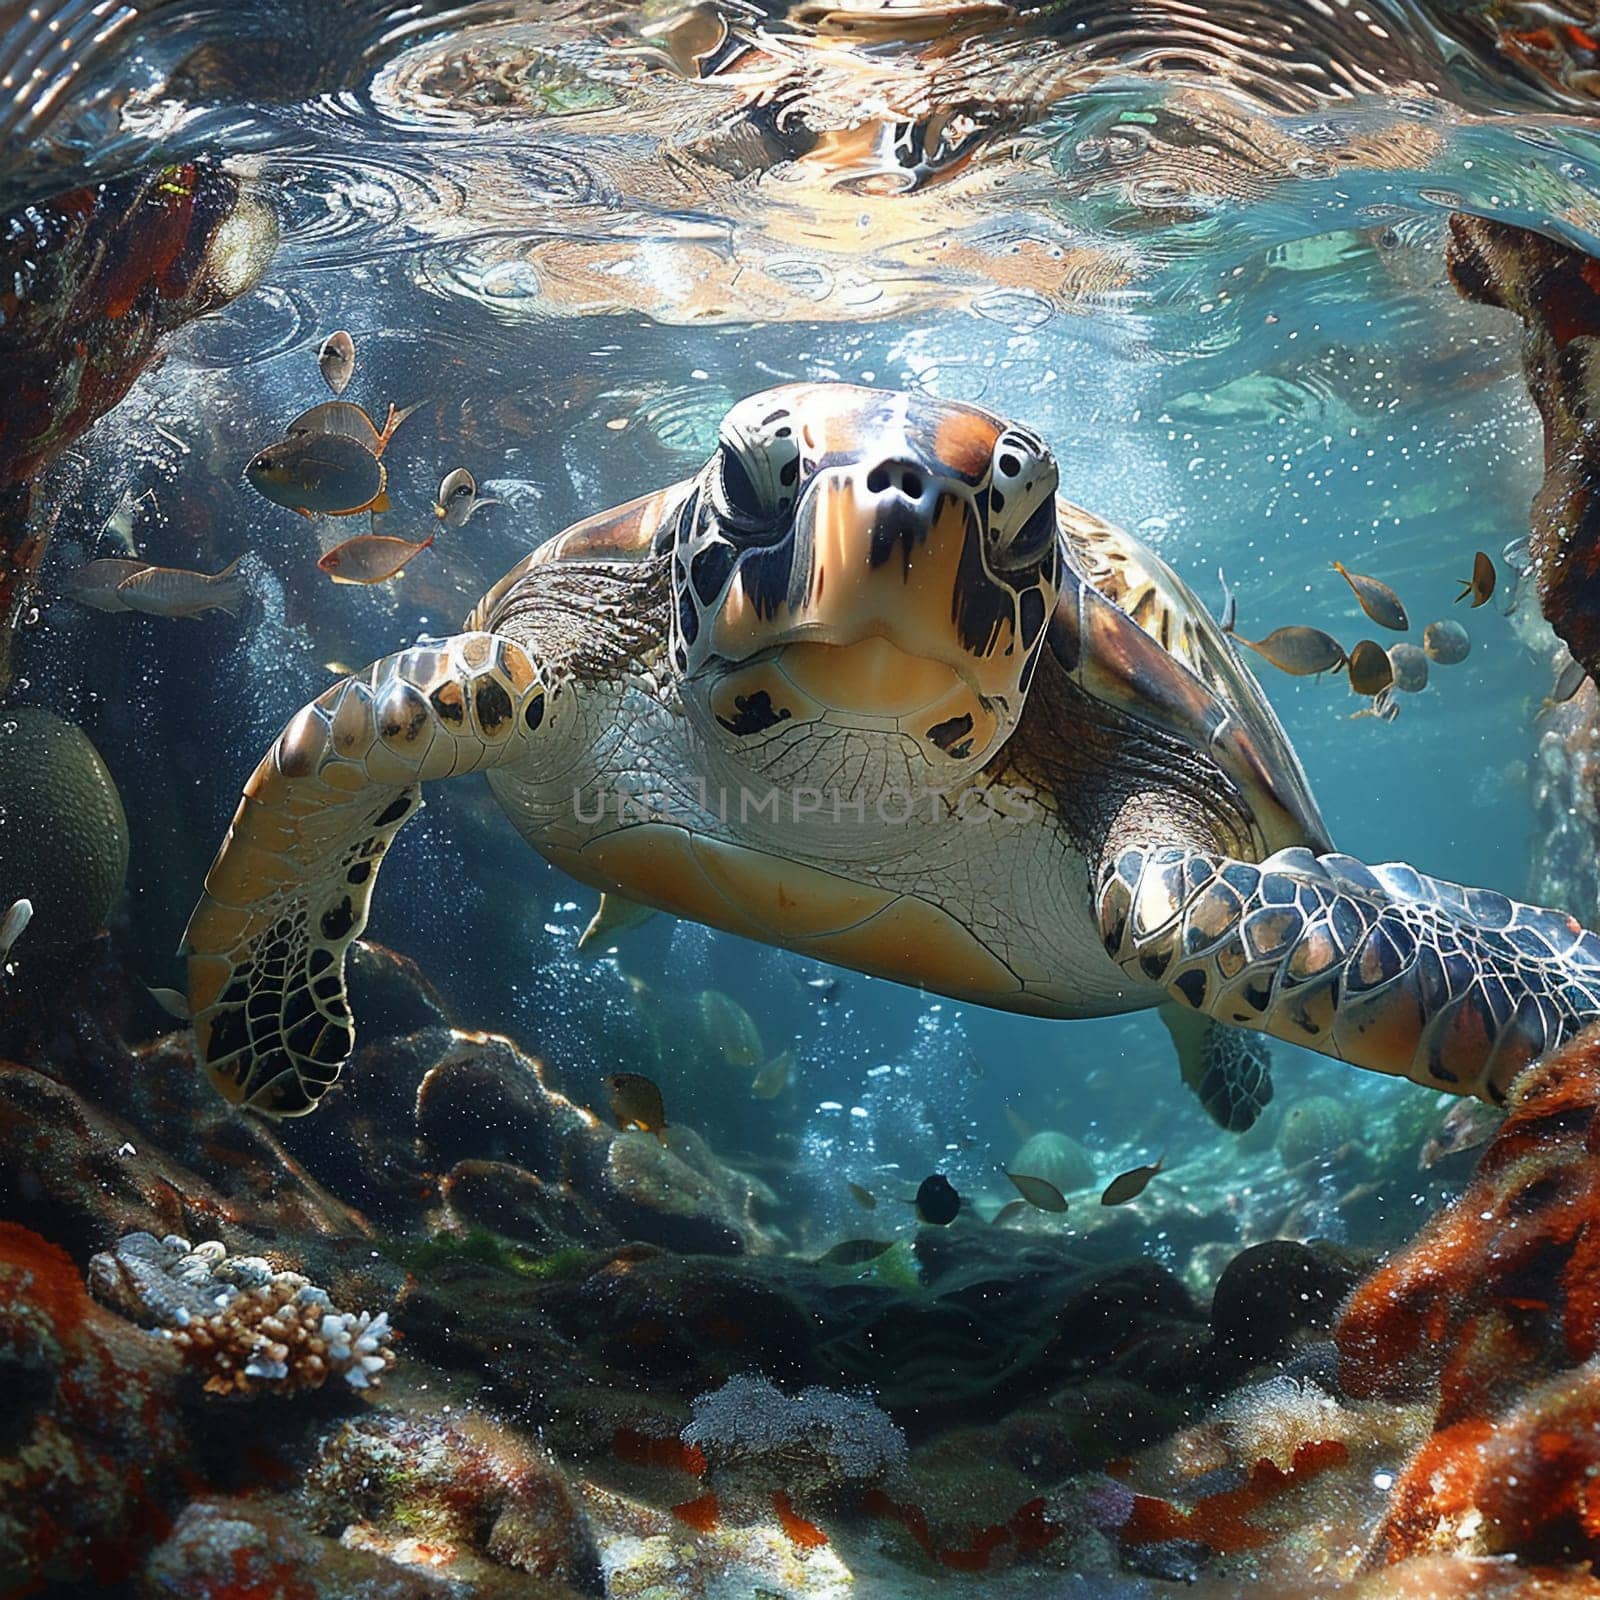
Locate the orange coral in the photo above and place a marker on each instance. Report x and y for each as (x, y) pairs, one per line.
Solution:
(1497, 1302)
(1504, 1285)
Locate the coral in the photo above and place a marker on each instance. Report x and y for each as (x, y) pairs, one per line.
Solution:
(754, 1436)
(64, 843)
(91, 1441)
(1058, 1159)
(1315, 1128)
(457, 1486)
(1496, 1308)
(238, 1321)
(1503, 1286)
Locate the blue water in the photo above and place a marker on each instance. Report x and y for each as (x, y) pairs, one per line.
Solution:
(1267, 372)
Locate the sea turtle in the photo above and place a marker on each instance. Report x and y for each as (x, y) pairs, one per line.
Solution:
(864, 686)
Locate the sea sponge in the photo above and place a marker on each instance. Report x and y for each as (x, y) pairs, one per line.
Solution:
(63, 834)
(752, 1433)
(1314, 1128)
(237, 1321)
(1058, 1159)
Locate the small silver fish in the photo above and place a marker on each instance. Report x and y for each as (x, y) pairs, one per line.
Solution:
(1377, 599)
(825, 989)
(1447, 643)
(1481, 584)
(12, 925)
(178, 592)
(1037, 1192)
(1130, 1185)
(330, 473)
(1466, 1125)
(345, 420)
(371, 558)
(864, 1198)
(1371, 671)
(458, 499)
(175, 1004)
(1301, 652)
(1230, 606)
(337, 360)
(95, 582)
(774, 1078)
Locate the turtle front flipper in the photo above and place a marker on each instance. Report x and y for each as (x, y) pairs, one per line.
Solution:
(1230, 1072)
(1380, 966)
(290, 887)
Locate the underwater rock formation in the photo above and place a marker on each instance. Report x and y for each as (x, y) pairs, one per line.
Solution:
(95, 279)
(91, 1434)
(238, 1322)
(1057, 1158)
(1495, 1310)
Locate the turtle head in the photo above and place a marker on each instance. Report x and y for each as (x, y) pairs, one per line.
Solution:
(866, 560)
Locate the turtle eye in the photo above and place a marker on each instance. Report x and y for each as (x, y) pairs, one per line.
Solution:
(1022, 509)
(1026, 546)
(738, 496)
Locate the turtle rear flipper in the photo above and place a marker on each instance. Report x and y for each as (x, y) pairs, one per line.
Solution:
(1380, 966)
(1229, 1071)
(291, 886)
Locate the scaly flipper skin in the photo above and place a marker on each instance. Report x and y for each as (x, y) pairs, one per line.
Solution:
(290, 887)
(1458, 989)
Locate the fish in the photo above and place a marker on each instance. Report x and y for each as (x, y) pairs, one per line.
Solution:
(1038, 1193)
(1384, 707)
(1378, 600)
(370, 558)
(616, 914)
(1410, 668)
(853, 1252)
(636, 1103)
(459, 501)
(320, 473)
(1371, 671)
(1446, 642)
(1568, 682)
(178, 592)
(342, 419)
(825, 989)
(937, 1201)
(95, 582)
(337, 360)
(1465, 1126)
(730, 1029)
(175, 1004)
(774, 1078)
(118, 527)
(1020, 1127)
(1481, 584)
(1301, 652)
(864, 1198)
(1130, 1185)
(1229, 619)
(1009, 1212)
(13, 924)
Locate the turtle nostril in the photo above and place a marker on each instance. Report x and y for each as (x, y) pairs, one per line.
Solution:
(894, 475)
(911, 485)
(878, 479)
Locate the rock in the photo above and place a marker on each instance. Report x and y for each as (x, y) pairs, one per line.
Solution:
(91, 1433)
(1270, 1293)
(466, 1484)
(228, 1549)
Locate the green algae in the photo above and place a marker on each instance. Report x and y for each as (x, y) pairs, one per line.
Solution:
(483, 1248)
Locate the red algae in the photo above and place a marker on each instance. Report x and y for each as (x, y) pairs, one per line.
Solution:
(650, 1450)
(1222, 1521)
(702, 1514)
(804, 1535)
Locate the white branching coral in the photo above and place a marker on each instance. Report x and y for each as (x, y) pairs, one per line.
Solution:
(238, 1320)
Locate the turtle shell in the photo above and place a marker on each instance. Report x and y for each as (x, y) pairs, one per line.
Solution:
(1134, 635)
